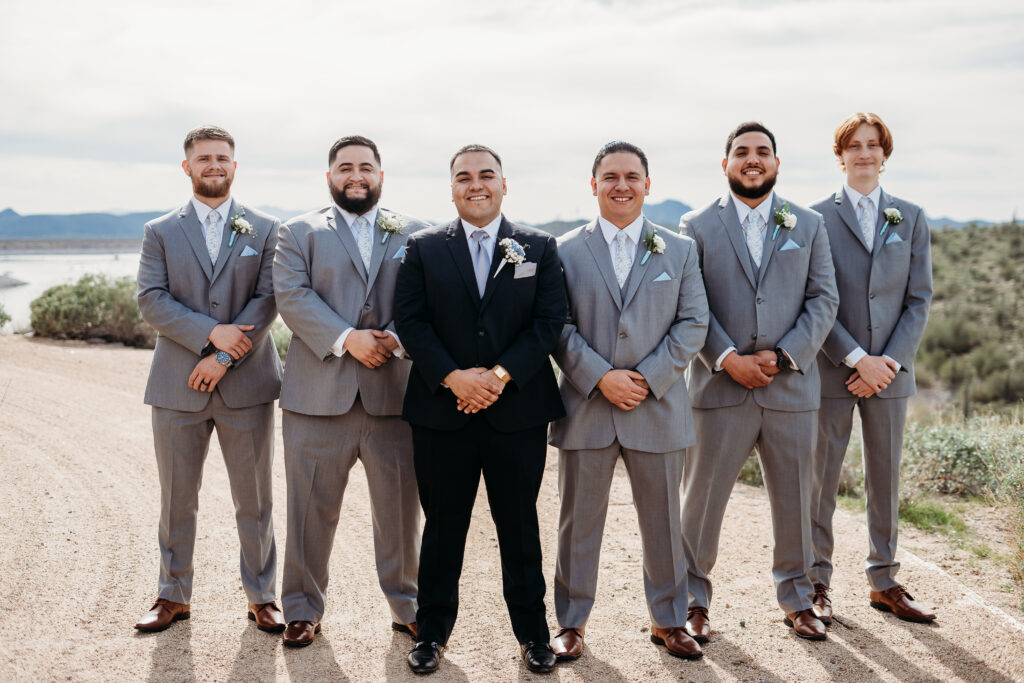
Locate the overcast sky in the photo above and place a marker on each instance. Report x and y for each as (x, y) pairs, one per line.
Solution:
(95, 98)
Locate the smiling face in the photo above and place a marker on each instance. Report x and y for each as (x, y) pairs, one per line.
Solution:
(211, 166)
(620, 185)
(477, 187)
(863, 156)
(355, 179)
(751, 166)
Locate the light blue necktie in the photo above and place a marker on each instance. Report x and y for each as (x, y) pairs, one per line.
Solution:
(213, 236)
(364, 241)
(755, 240)
(482, 259)
(866, 218)
(622, 261)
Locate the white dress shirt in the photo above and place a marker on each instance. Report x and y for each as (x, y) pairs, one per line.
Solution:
(633, 235)
(203, 211)
(491, 229)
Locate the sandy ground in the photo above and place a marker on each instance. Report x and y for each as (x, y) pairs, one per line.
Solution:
(78, 565)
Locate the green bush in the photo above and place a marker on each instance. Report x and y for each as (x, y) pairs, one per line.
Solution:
(94, 307)
(945, 458)
(4, 317)
(282, 337)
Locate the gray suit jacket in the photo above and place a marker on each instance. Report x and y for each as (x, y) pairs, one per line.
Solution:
(884, 294)
(323, 289)
(183, 296)
(790, 303)
(655, 326)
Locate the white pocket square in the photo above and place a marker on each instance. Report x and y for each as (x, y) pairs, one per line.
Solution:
(525, 270)
(790, 244)
(249, 251)
(400, 253)
(664, 277)
(894, 237)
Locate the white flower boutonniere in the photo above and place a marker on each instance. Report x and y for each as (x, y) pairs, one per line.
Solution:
(784, 218)
(892, 217)
(515, 253)
(390, 224)
(240, 226)
(655, 245)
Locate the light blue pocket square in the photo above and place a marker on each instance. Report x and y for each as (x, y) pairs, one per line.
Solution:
(790, 244)
(893, 237)
(249, 251)
(664, 277)
(400, 253)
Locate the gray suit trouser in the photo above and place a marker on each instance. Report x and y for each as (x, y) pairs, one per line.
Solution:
(584, 482)
(725, 438)
(246, 437)
(319, 452)
(882, 421)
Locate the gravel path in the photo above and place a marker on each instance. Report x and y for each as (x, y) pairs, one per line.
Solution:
(78, 566)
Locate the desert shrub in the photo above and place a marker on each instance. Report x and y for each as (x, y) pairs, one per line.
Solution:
(282, 337)
(4, 317)
(94, 307)
(944, 458)
(953, 332)
(751, 472)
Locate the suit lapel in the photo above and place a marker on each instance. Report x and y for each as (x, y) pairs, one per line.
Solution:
(733, 230)
(772, 245)
(189, 224)
(639, 270)
(378, 250)
(459, 248)
(225, 251)
(344, 233)
(599, 249)
(504, 230)
(849, 215)
(885, 201)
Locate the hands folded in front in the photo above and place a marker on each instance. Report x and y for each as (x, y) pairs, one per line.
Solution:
(474, 389)
(624, 389)
(754, 370)
(372, 348)
(872, 375)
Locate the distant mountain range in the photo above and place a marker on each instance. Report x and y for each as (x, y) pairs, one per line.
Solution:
(90, 226)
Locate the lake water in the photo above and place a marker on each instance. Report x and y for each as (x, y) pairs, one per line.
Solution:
(42, 271)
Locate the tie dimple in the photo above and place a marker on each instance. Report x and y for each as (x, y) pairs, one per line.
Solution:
(755, 241)
(481, 260)
(212, 230)
(866, 218)
(363, 240)
(622, 261)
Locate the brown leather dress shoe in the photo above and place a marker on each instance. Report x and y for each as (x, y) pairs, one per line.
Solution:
(901, 603)
(409, 628)
(568, 644)
(677, 642)
(300, 633)
(698, 626)
(806, 625)
(821, 604)
(162, 614)
(267, 617)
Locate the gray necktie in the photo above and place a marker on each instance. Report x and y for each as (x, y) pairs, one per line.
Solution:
(212, 229)
(482, 259)
(622, 262)
(755, 241)
(364, 241)
(866, 218)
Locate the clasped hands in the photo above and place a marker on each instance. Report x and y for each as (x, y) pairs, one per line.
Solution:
(372, 348)
(753, 370)
(475, 388)
(624, 389)
(229, 338)
(872, 374)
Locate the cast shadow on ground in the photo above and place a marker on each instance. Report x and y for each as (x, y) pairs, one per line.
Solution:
(396, 663)
(734, 660)
(314, 662)
(172, 656)
(257, 655)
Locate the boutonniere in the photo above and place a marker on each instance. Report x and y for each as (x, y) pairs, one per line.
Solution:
(784, 218)
(390, 225)
(240, 226)
(892, 217)
(655, 245)
(515, 253)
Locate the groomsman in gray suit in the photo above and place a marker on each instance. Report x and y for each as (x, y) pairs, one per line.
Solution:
(880, 247)
(637, 316)
(205, 285)
(334, 275)
(772, 294)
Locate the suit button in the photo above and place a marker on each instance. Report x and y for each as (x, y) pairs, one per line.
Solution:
(753, 336)
(622, 335)
(214, 304)
(479, 333)
(366, 307)
(871, 296)
(760, 301)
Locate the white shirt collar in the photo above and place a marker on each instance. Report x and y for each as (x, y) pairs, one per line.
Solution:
(875, 195)
(491, 229)
(764, 208)
(609, 230)
(202, 210)
(350, 218)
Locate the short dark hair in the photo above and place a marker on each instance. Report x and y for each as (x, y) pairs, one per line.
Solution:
(472, 148)
(208, 133)
(619, 146)
(749, 127)
(350, 141)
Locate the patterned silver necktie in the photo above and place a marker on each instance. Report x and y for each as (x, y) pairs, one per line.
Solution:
(866, 218)
(622, 261)
(364, 241)
(482, 259)
(213, 236)
(755, 241)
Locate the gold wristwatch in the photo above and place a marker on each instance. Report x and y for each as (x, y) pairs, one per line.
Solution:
(502, 374)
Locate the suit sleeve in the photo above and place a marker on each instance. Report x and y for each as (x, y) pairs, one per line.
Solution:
(414, 324)
(821, 302)
(159, 308)
(717, 339)
(905, 339)
(306, 314)
(529, 351)
(664, 366)
(582, 366)
(261, 310)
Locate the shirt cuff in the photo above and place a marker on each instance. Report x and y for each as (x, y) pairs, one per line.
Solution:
(890, 358)
(400, 351)
(718, 363)
(854, 357)
(338, 349)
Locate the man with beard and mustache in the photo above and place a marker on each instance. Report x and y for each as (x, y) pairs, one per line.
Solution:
(771, 289)
(205, 285)
(334, 276)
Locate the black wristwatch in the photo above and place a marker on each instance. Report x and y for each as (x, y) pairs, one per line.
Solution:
(782, 360)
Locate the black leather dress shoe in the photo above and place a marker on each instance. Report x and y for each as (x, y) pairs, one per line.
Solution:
(424, 658)
(539, 657)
